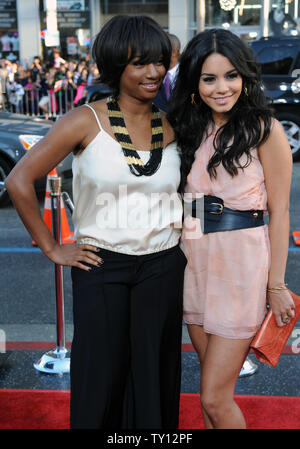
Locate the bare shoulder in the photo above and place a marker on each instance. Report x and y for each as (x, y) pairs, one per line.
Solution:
(71, 130)
(276, 128)
(275, 138)
(78, 119)
(84, 124)
(100, 107)
(66, 135)
(275, 149)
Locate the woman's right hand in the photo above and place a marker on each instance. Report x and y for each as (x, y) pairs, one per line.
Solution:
(282, 305)
(75, 255)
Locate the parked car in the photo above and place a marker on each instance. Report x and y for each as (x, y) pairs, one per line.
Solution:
(280, 67)
(94, 92)
(18, 133)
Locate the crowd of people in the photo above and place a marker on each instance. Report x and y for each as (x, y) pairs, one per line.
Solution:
(49, 87)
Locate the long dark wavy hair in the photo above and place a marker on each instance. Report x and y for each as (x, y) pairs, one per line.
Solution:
(249, 121)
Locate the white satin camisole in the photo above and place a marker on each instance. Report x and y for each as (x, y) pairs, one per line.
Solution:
(118, 211)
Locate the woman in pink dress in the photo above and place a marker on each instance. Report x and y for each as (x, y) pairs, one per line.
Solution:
(236, 154)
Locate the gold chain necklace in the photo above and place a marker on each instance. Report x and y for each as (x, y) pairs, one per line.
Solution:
(135, 163)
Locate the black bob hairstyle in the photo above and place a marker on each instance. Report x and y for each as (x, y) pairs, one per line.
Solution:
(248, 122)
(124, 38)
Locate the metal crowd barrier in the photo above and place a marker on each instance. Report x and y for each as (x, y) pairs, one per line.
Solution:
(56, 361)
(29, 103)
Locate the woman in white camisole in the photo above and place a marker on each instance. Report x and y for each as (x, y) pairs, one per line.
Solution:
(127, 267)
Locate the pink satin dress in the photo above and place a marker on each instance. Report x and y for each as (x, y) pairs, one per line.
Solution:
(227, 272)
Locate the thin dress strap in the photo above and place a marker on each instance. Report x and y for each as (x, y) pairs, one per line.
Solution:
(98, 121)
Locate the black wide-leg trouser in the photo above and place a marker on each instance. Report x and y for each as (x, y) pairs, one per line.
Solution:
(126, 350)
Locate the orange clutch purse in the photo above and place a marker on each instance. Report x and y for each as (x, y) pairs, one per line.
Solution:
(270, 340)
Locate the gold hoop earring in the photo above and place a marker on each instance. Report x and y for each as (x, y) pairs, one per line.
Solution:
(246, 91)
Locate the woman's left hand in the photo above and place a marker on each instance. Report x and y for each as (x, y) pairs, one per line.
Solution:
(282, 305)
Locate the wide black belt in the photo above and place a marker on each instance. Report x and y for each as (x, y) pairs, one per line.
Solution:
(217, 217)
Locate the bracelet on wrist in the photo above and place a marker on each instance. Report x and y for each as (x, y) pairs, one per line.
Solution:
(277, 289)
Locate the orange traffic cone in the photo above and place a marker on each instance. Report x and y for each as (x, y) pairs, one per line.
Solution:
(296, 237)
(66, 234)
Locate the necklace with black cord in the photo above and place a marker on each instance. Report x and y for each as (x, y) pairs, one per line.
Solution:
(135, 163)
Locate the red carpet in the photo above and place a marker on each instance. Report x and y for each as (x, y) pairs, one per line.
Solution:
(49, 409)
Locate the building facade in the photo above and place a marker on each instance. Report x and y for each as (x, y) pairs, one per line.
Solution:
(31, 28)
